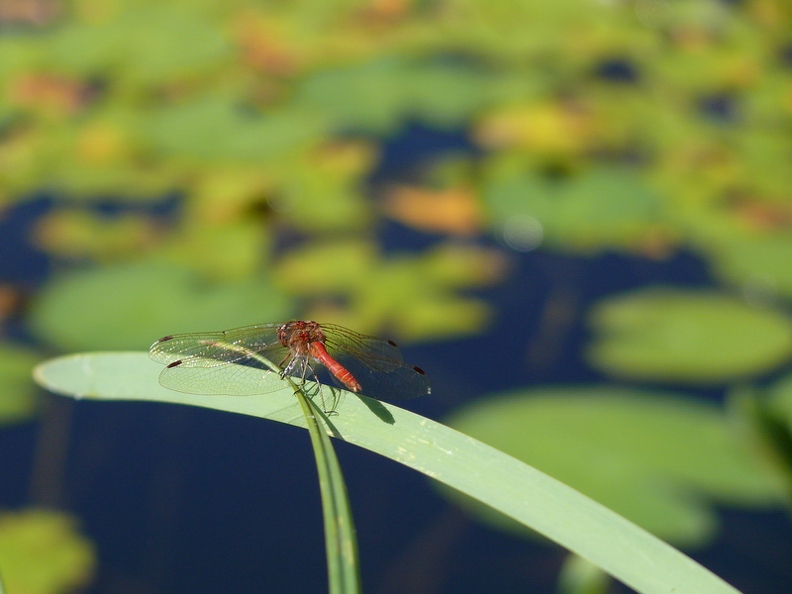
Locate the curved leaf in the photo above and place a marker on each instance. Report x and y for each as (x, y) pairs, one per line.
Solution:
(655, 458)
(551, 508)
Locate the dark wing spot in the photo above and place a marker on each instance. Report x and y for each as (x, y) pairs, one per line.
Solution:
(419, 370)
(176, 363)
(393, 344)
(165, 338)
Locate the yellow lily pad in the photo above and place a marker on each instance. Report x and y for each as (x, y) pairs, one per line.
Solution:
(42, 552)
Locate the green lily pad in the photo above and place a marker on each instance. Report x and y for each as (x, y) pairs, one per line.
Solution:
(377, 290)
(761, 263)
(601, 208)
(781, 400)
(43, 552)
(327, 267)
(16, 386)
(654, 458)
(131, 306)
(701, 337)
(380, 95)
(214, 128)
(143, 44)
(228, 252)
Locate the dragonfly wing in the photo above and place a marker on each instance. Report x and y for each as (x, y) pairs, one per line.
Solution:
(399, 383)
(229, 379)
(209, 349)
(231, 362)
(374, 353)
(376, 364)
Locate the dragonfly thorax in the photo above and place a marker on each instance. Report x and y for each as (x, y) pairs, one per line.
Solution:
(297, 336)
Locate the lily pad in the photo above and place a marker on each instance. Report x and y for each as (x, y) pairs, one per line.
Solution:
(74, 233)
(700, 337)
(131, 306)
(380, 95)
(781, 400)
(43, 552)
(213, 128)
(146, 45)
(764, 261)
(654, 458)
(16, 386)
(602, 208)
(375, 291)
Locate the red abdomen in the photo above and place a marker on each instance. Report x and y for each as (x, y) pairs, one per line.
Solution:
(341, 373)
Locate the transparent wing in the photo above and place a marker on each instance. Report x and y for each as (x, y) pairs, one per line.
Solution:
(208, 349)
(226, 362)
(377, 364)
(230, 362)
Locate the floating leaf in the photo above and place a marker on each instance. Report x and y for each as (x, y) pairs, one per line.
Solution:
(586, 212)
(16, 387)
(42, 552)
(763, 263)
(141, 45)
(51, 96)
(131, 306)
(327, 267)
(545, 128)
(781, 402)
(72, 233)
(17, 55)
(654, 458)
(764, 418)
(379, 95)
(701, 337)
(222, 251)
(375, 291)
(453, 210)
(210, 128)
(322, 190)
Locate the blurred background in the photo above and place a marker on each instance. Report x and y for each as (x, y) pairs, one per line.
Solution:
(576, 216)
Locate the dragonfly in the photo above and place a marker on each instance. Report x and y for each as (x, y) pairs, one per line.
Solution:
(233, 362)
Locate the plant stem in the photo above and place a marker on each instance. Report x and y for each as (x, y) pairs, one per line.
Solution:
(340, 541)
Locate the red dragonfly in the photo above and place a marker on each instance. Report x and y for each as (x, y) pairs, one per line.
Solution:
(229, 362)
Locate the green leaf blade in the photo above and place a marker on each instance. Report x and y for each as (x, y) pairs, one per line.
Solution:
(542, 503)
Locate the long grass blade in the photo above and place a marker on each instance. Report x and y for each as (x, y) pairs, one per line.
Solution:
(619, 547)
